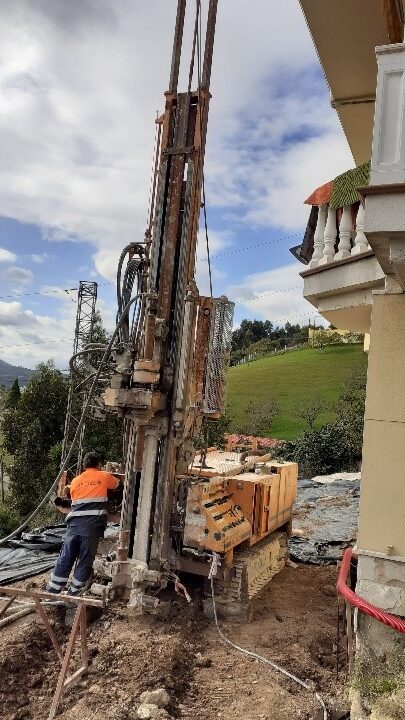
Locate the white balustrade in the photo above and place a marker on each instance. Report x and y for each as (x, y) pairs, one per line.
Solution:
(345, 234)
(319, 236)
(329, 238)
(326, 233)
(360, 241)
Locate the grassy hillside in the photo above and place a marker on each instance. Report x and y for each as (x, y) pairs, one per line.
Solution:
(290, 379)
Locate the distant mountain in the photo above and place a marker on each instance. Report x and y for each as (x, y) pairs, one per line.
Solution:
(8, 373)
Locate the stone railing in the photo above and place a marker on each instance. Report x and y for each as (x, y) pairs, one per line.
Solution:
(352, 240)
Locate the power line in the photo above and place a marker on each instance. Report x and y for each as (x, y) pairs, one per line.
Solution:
(38, 292)
(49, 342)
(240, 301)
(39, 342)
(249, 247)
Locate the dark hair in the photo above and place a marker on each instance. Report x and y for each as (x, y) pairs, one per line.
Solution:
(91, 460)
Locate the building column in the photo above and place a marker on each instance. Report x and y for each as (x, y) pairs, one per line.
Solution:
(381, 536)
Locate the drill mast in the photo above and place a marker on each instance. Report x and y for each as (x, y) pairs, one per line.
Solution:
(173, 352)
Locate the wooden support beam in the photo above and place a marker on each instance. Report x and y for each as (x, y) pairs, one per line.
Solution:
(42, 595)
(395, 26)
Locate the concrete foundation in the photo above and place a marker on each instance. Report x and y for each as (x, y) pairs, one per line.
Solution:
(381, 581)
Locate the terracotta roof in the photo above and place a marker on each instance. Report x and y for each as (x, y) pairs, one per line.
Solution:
(321, 195)
(343, 189)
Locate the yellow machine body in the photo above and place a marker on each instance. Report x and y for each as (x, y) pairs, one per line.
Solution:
(223, 513)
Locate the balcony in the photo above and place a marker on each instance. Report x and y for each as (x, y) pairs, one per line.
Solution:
(342, 270)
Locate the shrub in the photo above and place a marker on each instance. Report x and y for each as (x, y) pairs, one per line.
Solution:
(8, 519)
(324, 451)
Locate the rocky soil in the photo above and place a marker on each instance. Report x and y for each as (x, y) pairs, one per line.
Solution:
(294, 623)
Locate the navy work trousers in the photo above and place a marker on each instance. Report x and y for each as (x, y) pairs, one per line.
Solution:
(79, 549)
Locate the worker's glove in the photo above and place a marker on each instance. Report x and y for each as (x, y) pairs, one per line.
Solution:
(62, 502)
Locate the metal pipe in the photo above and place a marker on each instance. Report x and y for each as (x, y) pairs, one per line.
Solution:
(209, 44)
(178, 40)
(16, 616)
(140, 550)
(128, 495)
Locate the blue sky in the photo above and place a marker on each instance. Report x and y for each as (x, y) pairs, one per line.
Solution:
(79, 90)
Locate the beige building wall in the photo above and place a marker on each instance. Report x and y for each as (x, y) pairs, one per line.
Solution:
(382, 501)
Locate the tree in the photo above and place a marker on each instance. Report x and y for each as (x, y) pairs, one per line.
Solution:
(259, 417)
(250, 331)
(310, 410)
(350, 408)
(14, 395)
(31, 430)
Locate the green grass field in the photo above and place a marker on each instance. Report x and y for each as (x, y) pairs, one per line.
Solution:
(292, 379)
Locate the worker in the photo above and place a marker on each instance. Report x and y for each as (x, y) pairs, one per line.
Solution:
(86, 523)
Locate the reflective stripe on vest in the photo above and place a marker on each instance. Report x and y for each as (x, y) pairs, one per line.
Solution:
(85, 513)
(83, 501)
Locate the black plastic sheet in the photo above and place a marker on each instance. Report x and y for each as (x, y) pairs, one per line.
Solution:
(35, 552)
(325, 519)
(46, 538)
(20, 563)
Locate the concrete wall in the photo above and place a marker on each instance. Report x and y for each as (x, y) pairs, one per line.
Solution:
(382, 502)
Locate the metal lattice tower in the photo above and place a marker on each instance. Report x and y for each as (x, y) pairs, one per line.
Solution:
(85, 317)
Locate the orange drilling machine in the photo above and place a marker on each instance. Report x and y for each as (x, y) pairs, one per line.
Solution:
(167, 382)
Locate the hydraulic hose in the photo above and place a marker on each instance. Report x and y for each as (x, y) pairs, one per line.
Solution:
(86, 351)
(367, 608)
(79, 427)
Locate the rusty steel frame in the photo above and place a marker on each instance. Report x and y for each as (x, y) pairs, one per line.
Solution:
(79, 630)
(85, 315)
(174, 356)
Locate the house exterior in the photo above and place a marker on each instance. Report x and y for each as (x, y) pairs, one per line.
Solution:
(355, 277)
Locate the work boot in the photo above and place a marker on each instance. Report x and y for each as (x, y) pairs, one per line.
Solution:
(80, 591)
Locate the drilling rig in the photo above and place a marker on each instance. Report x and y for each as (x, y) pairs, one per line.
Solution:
(168, 381)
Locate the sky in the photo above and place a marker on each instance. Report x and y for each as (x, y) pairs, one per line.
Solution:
(80, 85)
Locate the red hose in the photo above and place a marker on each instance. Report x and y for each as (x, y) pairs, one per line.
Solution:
(391, 620)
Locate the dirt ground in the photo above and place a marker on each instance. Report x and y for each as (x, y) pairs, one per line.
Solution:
(294, 623)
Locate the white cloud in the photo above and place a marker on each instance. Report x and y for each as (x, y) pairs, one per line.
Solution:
(277, 160)
(18, 276)
(39, 258)
(79, 91)
(274, 295)
(27, 338)
(7, 256)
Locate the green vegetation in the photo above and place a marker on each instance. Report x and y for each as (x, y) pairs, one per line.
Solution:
(293, 379)
(14, 395)
(375, 677)
(31, 434)
(256, 338)
(32, 430)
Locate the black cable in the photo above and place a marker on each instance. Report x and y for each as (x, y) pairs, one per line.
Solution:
(199, 59)
(206, 233)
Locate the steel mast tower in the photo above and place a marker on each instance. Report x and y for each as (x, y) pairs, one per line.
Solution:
(85, 316)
